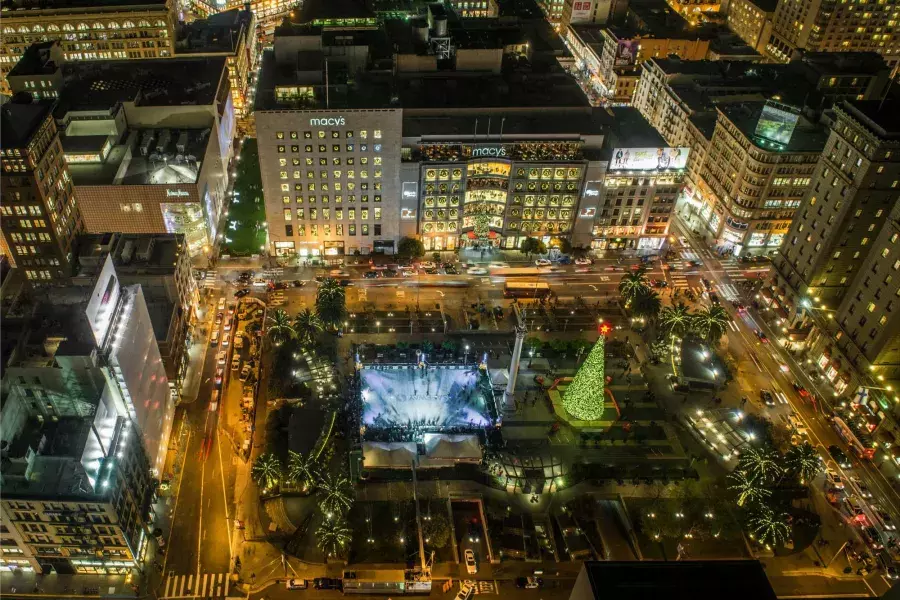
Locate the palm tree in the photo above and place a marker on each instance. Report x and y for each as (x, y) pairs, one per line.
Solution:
(266, 470)
(710, 323)
(280, 328)
(763, 464)
(771, 528)
(330, 302)
(307, 324)
(676, 320)
(302, 469)
(334, 492)
(748, 488)
(803, 460)
(633, 284)
(646, 305)
(333, 536)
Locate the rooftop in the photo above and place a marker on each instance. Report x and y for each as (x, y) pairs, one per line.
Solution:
(38, 59)
(130, 252)
(19, 121)
(677, 580)
(174, 156)
(90, 85)
(13, 5)
(632, 130)
(806, 137)
(570, 122)
(220, 32)
(767, 6)
(323, 11)
(882, 117)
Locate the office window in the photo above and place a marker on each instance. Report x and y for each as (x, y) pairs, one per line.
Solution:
(377, 229)
(289, 230)
(365, 229)
(352, 228)
(287, 214)
(378, 214)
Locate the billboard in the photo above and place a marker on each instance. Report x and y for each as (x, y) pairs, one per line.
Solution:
(581, 11)
(226, 128)
(649, 159)
(626, 52)
(776, 124)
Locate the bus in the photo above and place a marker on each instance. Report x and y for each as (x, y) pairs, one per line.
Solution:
(519, 272)
(527, 289)
(847, 434)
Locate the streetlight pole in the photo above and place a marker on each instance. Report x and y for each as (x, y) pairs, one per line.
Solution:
(466, 355)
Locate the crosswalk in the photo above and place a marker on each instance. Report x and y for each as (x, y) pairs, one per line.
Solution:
(207, 585)
(482, 586)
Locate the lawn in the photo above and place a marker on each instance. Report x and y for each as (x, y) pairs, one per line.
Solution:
(383, 532)
(245, 232)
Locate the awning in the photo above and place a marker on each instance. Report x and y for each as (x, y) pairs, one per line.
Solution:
(836, 364)
(827, 353)
(780, 312)
(845, 376)
(471, 235)
(766, 293)
(492, 234)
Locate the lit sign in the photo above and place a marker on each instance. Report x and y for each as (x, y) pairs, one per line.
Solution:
(410, 190)
(495, 151)
(776, 124)
(407, 214)
(589, 193)
(587, 213)
(328, 121)
(176, 194)
(649, 159)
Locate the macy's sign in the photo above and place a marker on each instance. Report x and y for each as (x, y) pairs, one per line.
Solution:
(338, 121)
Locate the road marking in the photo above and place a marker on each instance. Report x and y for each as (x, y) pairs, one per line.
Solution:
(209, 585)
(733, 326)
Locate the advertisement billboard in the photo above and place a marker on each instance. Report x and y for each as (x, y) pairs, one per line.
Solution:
(226, 128)
(649, 159)
(776, 124)
(626, 53)
(582, 11)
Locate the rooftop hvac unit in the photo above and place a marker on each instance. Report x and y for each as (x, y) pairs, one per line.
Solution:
(181, 144)
(164, 138)
(146, 142)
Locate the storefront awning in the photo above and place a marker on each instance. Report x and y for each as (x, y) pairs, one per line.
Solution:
(845, 376)
(780, 312)
(766, 293)
(827, 353)
(836, 364)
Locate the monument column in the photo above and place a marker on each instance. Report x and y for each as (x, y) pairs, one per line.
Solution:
(509, 396)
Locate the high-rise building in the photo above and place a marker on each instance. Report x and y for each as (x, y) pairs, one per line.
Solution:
(752, 21)
(40, 217)
(828, 26)
(88, 30)
(837, 275)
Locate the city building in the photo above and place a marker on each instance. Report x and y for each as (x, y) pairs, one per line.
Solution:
(161, 265)
(38, 72)
(822, 26)
(231, 34)
(836, 281)
(86, 420)
(752, 21)
(758, 166)
(147, 145)
(40, 217)
(268, 13)
(475, 9)
(87, 30)
(586, 12)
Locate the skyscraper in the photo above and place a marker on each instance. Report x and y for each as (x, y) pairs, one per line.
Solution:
(40, 216)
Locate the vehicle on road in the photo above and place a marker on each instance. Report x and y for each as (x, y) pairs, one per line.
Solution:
(296, 584)
(801, 391)
(431, 271)
(408, 273)
(833, 479)
(842, 460)
(221, 305)
(451, 270)
(477, 271)
(474, 532)
(707, 284)
(220, 373)
(220, 357)
(226, 338)
(583, 261)
(659, 283)
(466, 591)
(527, 289)
(714, 298)
(692, 264)
(235, 362)
(219, 318)
(241, 293)
(326, 583)
(565, 259)
(861, 489)
(338, 273)
(371, 274)
(885, 519)
(872, 537)
(214, 340)
(227, 326)
(471, 565)
(427, 264)
(529, 583)
(761, 336)
(767, 397)
(542, 262)
(498, 265)
(245, 373)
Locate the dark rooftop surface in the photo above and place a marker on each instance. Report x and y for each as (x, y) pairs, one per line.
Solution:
(164, 82)
(18, 122)
(632, 130)
(68, 4)
(36, 60)
(884, 116)
(573, 122)
(321, 10)
(764, 5)
(679, 580)
(805, 138)
(220, 32)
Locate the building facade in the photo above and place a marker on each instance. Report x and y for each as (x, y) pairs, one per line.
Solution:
(836, 278)
(88, 31)
(330, 180)
(40, 216)
(752, 21)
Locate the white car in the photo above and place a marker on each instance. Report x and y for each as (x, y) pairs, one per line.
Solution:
(296, 584)
(408, 273)
(583, 261)
(477, 271)
(426, 265)
(471, 566)
(833, 479)
(542, 262)
(226, 337)
(220, 357)
(498, 265)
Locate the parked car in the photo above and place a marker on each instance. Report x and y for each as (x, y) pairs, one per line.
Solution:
(296, 584)
(220, 357)
(327, 583)
(477, 271)
(245, 373)
(767, 397)
(565, 259)
(371, 274)
(241, 293)
(839, 456)
(529, 583)
(235, 362)
(466, 591)
(471, 565)
(542, 262)
(426, 264)
(451, 270)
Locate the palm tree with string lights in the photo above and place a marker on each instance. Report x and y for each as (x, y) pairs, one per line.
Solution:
(307, 324)
(676, 320)
(330, 302)
(633, 284)
(710, 323)
(748, 488)
(266, 471)
(333, 536)
(804, 461)
(280, 328)
(762, 463)
(335, 494)
(770, 527)
(302, 470)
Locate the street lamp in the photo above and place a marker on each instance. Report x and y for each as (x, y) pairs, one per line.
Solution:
(530, 357)
(378, 325)
(466, 355)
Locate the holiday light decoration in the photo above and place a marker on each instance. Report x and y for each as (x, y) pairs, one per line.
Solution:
(583, 399)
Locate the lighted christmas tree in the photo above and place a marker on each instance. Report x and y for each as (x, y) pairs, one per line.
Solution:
(584, 396)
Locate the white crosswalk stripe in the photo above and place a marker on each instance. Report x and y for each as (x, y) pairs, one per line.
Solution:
(208, 585)
(728, 292)
(482, 586)
(689, 255)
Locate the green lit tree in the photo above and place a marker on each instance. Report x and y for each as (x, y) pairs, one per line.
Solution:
(532, 245)
(307, 325)
(302, 469)
(633, 284)
(584, 396)
(333, 536)
(748, 488)
(762, 463)
(803, 461)
(770, 527)
(266, 470)
(409, 248)
(280, 329)
(676, 320)
(330, 302)
(646, 305)
(710, 323)
(335, 494)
